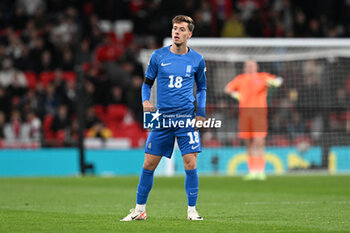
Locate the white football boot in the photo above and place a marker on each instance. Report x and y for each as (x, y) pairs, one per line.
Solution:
(193, 215)
(135, 215)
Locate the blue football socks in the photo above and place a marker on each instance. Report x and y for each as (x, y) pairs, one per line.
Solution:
(191, 186)
(144, 187)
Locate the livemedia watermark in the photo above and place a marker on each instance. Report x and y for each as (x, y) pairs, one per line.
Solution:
(158, 120)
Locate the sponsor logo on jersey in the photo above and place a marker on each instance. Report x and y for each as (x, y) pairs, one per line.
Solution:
(165, 64)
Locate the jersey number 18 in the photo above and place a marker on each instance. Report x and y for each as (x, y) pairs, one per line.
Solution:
(178, 82)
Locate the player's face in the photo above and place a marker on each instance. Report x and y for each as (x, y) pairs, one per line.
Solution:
(180, 33)
(250, 67)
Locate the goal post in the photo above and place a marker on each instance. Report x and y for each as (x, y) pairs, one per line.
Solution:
(309, 112)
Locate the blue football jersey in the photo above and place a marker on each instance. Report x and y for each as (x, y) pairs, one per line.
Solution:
(176, 75)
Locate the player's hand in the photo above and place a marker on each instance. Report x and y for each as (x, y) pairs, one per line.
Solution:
(148, 107)
(275, 82)
(199, 118)
(235, 95)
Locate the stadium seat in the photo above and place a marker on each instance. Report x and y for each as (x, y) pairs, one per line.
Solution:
(31, 79)
(69, 76)
(100, 112)
(60, 135)
(86, 66)
(46, 78)
(133, 131)
(116, 112)
(48, 133)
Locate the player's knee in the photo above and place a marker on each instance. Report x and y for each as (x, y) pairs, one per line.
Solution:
(190, 164)
(149, 165)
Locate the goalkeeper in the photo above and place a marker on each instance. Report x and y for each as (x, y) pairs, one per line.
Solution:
(250, 89)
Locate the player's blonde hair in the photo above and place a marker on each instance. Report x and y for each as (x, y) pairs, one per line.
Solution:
(184, 18)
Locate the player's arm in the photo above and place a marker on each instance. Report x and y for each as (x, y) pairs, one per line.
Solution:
(146, 95)
(201, 84)
(274, 81)
(151, 74)
(232, 89)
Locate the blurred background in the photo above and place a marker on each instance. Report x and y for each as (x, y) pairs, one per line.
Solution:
(59, 56)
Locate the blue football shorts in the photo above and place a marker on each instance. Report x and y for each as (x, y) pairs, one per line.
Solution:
(161, 141)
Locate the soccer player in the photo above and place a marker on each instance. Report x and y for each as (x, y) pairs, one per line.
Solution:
(176, 67)
(250, 89)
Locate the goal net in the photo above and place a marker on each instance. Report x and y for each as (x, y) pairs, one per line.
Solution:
(308, 115)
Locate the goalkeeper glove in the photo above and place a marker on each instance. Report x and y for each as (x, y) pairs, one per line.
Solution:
(275, 82)
(235, 95)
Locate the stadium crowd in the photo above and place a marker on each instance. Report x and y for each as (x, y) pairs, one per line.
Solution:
(42, 42)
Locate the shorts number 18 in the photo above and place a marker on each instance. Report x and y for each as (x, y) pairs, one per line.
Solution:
(193, 135)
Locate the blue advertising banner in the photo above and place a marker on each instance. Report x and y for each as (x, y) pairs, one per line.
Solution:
(224, 161)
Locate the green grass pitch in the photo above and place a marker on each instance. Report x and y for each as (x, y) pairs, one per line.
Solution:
(228, 204)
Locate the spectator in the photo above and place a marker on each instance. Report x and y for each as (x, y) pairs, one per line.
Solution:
(102, 86)
(37, 48)
(117, 96)
(16, 130)
(46, 62)
(59, 85)
(67, 61)
(89, 94)
(203, 29)
(72, 135)
(91, 118)
(39, 19)
(338, 112)
(233, 27)
(296, 126)
(30, 6)
(14, 49)
(2, 125)
(65, 32)
(70, 96)
(19, 20)
(49, 99)
(277, 124)
(300, 27)
(31, 99)
(24, 62)
(61, 120)
(254, 25)
(5, 101)
(34, 127)
(99, 130)
(8, 74)
(83, 53)
(3, 54)
(314, 29)
(15, 89)
(133, 97)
